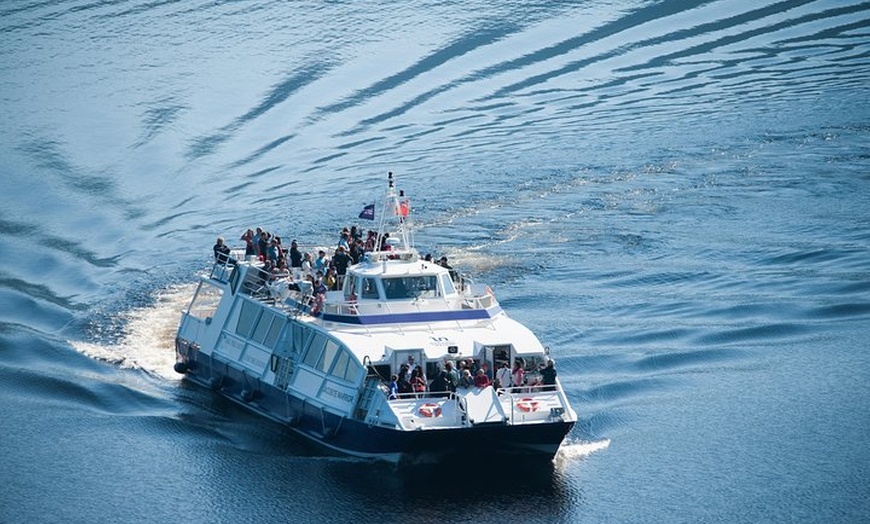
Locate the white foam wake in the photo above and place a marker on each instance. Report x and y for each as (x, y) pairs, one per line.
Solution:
(578, 450)
(149, 335)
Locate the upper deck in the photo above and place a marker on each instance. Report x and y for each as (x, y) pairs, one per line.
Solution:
(382, 289)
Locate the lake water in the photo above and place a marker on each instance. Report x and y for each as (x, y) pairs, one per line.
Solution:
(675, 196)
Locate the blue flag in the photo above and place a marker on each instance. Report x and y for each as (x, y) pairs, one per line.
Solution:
(368, 212)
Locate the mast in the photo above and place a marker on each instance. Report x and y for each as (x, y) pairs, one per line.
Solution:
(397, 206)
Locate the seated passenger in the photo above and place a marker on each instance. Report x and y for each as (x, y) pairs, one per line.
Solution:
(466, 380)
(280, 270)
(481, 380)
(331, 279)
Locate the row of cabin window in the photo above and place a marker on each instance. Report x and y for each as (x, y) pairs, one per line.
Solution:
(328, 356)
(259, 324)
(324, 354)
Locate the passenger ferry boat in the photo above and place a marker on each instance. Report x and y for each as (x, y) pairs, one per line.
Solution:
(321, 363)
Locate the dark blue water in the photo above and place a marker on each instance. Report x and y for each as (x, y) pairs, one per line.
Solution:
(674, 195)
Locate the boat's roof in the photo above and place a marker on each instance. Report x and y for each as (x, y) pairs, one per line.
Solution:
(380, 267)
(435, 338)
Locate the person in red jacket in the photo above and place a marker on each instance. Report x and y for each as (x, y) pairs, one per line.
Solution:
(481, 380)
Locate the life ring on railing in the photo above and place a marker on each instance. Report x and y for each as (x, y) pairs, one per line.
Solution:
(430, 410)
(528, 405)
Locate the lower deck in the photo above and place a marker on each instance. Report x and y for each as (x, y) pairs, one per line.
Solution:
(431, 426)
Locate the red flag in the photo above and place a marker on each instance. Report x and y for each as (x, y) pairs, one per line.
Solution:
(405, 207)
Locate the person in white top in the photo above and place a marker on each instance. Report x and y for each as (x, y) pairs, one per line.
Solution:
(503, 375)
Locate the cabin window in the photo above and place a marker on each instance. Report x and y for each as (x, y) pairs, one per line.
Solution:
(353, 371)
(328, 356)
(347, 367)
(315, 349)
(247, 316)
(341, 364)
(205, 302)
(369, 288)
(298, 338)
(274, 331)
(262, 328)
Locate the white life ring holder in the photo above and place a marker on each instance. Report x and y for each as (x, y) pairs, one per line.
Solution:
(429, 410)
(528, 405)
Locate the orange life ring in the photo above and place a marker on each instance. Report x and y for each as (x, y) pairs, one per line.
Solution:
(528, 405)
(430, 410)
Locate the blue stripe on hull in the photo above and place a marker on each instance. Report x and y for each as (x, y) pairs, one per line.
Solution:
(400, 318)
(357, 438)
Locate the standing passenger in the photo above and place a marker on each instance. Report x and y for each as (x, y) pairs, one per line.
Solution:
(322, 263)
(503, 375)
(307, 268)
(517, 377)
(418, 380)
(548, 374)
(341, 260)
(295, 255)
(394, 387)
(452, 376)
(263, 245)
(250, 243)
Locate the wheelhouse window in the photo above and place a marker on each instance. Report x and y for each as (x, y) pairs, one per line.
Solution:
(425, 286)
(350, 285)
(447, 283)
(369, 288)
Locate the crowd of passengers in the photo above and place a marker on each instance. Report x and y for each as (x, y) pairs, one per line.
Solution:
(411, 381)
(324, 272)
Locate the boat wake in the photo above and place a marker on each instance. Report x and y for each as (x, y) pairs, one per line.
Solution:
(571, 451)
(146, 341)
